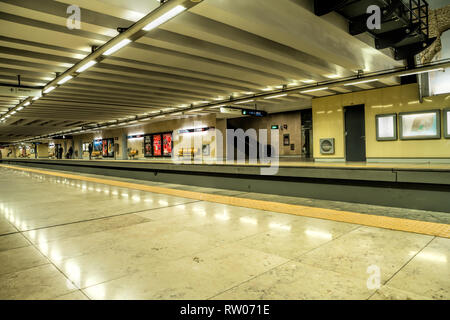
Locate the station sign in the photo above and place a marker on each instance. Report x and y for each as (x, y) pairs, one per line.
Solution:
(230, 110)
(254, 113)
(19, 91)
(195, 130)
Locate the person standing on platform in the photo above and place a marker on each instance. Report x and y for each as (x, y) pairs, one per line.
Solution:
(70, 153)
(90, 151)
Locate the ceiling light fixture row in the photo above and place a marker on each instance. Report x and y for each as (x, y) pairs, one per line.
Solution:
(165, 12)
(431, 67)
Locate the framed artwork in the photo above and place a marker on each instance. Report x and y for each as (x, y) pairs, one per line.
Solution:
(148, 150)
(157, 145)
(167, 144)
(420, 125)
(386, 126)
(111, 147)
(105, 147)
(98, 145)
(447, 123)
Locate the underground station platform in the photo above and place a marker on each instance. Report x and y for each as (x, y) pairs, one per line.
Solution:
(414, 186)
(115, 116)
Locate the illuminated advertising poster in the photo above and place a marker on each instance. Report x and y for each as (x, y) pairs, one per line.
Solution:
(110, 147)
(148, 152)
(447, 123)
(157, 145)
(420, 125)
(105, 147)
(167, 144)
(386, 127)
(98, 145)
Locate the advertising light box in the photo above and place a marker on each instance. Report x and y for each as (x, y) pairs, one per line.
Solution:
(167, 144)
(447, 123)
(157, 145)
(386, 126)
(420, 125)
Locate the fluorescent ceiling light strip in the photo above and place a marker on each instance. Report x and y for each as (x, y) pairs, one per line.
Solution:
(13, 112)
(19, 108)
(165, 17)
(49, 89)
(277, 96)
(312, 90)
(246, 101)
(86, 66)
(26, 104)
(117, 47)
(65, 79)
(360, 82)
(35, 98)
(419, 72)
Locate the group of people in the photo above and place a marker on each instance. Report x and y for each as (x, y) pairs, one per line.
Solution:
(59, 152)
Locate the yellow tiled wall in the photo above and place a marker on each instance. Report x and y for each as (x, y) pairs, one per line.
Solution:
(328, 122)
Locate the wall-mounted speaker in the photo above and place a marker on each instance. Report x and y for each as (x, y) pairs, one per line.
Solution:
(327, 146)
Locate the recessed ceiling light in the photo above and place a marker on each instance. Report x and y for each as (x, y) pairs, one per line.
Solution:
(246, 101)
(65, 79)
(277, 96)
(312, 90)
(419, 72)
(117, 47)
(49, 89)
(86, 66)
(360, 82)
(165, 17)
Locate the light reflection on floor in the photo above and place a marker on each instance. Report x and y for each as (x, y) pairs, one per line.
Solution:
(65, 238)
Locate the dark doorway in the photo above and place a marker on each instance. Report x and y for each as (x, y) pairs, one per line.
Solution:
(355, 133)
(307, 133)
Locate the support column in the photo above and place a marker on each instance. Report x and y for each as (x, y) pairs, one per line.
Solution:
(124, 146)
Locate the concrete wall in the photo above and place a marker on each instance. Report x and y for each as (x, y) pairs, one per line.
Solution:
(328, 122)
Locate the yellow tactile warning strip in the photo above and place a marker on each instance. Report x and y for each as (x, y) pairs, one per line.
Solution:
(407, 225)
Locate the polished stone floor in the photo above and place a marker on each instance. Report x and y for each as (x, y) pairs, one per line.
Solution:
(72, 239)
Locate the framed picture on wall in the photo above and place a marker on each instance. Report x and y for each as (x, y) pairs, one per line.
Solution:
(167, 144)
(111, 147)
(105, 147)
(447, 123)
(98, 145)
(386, 126)
(148, 150)
(420, 125)
(157, 145)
